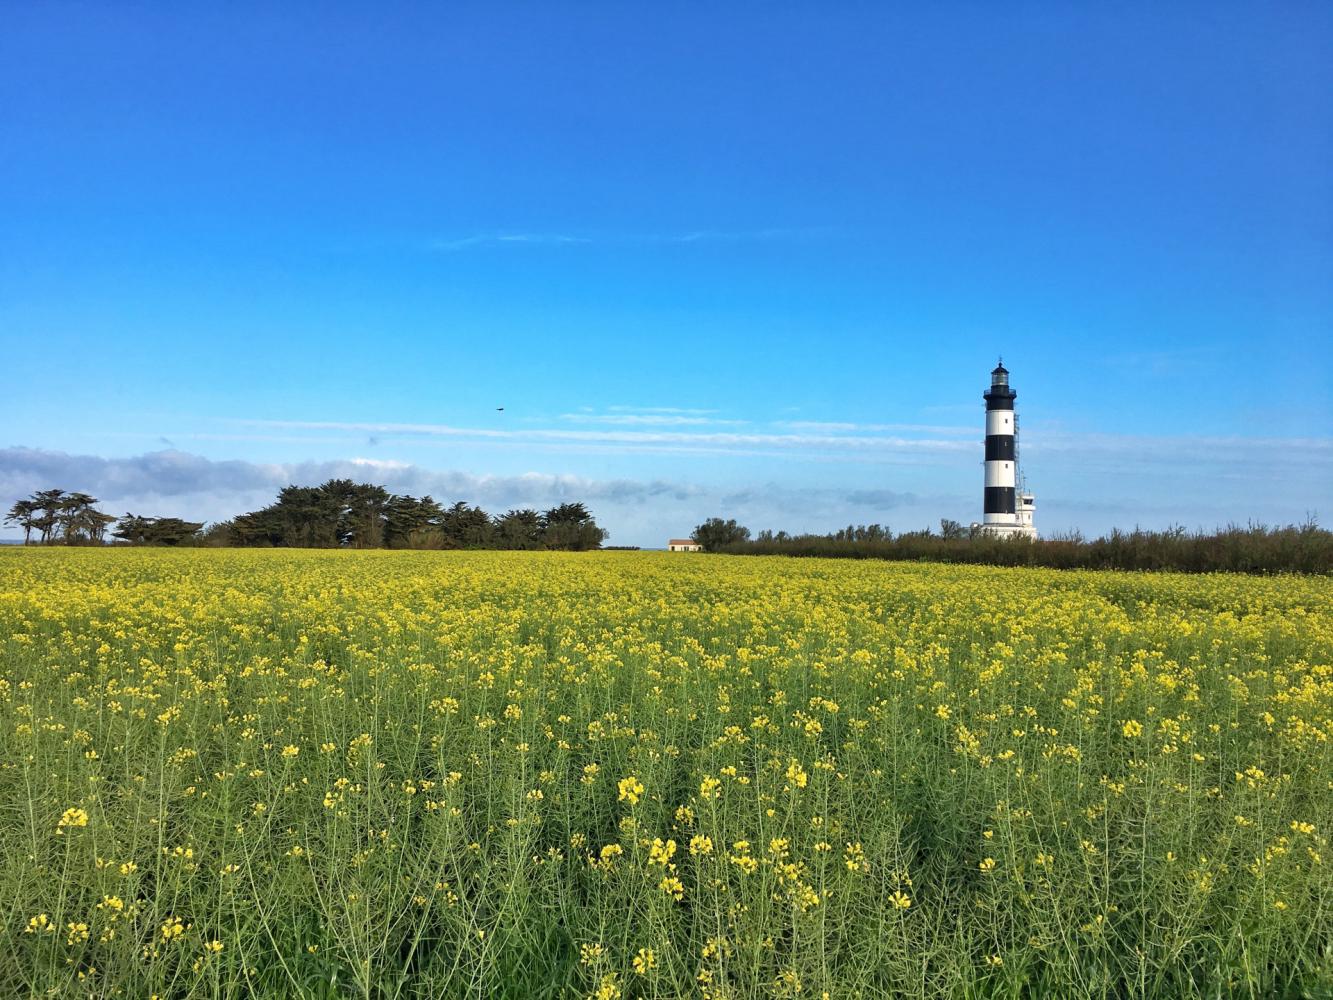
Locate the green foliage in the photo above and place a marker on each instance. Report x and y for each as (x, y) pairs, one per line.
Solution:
(519, 529)
(60, 518)
(716, 534)
(168, 531)
(1304, 548)
(570, 526)
(343, 514)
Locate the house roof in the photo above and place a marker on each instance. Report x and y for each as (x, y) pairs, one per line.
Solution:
(682, 541)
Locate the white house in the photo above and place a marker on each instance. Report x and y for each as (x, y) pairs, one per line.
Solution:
(683, 545)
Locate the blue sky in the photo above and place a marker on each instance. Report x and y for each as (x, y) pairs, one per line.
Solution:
(743, 259)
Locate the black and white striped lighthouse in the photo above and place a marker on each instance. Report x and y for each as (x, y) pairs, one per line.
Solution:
(1005, 510)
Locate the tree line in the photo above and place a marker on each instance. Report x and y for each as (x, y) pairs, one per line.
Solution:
(337, 514)
(1254, 548)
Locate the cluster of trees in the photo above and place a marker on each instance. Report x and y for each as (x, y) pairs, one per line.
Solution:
(344, 514)
(337, 514)
(1255, 548)
(60, 518)
(136, 530)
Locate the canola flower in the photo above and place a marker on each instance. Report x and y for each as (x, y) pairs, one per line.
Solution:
(644, 961)
(630, 790)
(72, 817)
(241, 772)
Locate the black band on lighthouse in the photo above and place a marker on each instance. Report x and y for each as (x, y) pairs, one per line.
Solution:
(999, 500)
(999, 447)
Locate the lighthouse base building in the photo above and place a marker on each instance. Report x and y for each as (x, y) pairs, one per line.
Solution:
(1007, 509)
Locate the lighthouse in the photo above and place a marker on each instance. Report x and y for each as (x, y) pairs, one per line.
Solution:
(1007, 509)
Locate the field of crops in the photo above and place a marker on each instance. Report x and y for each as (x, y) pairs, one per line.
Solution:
(331, 774)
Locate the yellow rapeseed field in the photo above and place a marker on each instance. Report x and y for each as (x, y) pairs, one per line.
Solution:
(327, 774)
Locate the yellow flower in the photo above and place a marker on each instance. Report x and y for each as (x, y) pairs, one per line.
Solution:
(987, 865)
(644, 961)
(900, 900)
(608, 988)
(796, 774)
(700, 844)
(672, 886)
(73, 816)
(290, 751)
(660, 853)
(710, 787)
(631, 789)
(1132, 728)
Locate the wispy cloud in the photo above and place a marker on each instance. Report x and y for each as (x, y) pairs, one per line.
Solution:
(1306, 460)
(688, 410)
(506, 239)
(1224, 453)
(648, 419)
(642, 440)
(735, 236)
(840, 427)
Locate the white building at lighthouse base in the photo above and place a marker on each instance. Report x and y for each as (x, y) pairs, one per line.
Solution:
(1016, 525)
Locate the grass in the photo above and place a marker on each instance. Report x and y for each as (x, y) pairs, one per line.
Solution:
(336, 774)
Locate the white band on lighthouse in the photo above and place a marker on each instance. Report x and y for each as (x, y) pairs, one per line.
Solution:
(999, 421)
(1000, 474)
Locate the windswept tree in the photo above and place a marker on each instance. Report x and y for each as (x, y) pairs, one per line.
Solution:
(169, 531)
(81, 523)
(47, 521)
(88, 526)
(24, 514)
(58, 516)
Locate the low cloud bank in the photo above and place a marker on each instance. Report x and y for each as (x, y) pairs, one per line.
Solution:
(1090, 492)
(643, 512)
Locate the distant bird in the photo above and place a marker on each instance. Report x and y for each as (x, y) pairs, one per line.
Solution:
(499, 409)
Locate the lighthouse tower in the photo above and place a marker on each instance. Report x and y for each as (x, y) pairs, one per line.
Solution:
(1007, 509)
